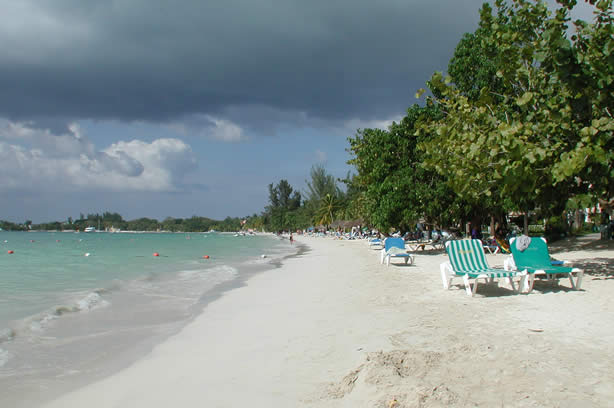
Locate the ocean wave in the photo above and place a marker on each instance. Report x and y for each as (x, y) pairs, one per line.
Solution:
(215, 274)
(6, 335)
(4, 357)
(89, 302)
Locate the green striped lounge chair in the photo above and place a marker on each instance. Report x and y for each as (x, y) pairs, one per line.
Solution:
(535, 260)
(467, 261)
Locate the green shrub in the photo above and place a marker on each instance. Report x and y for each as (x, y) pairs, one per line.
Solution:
(556, 228)
(536, 229)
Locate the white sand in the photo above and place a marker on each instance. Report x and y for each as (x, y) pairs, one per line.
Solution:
(334, 328)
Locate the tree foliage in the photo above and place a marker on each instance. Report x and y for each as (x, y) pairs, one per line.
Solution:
(540, 130)
(321, 184)
(107, 219)
(397, 191)
(282, 213)
(325, 201)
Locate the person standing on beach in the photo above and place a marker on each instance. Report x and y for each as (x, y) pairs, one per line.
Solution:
(291, 238)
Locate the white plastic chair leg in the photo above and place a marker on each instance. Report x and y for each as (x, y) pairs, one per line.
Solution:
(444, 276)
(528, 283)
(511, 281)
(579, 276)
(468, 285)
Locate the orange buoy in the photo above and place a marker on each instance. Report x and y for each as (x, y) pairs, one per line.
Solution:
(156, 254)
(206, 256)
(10, 251)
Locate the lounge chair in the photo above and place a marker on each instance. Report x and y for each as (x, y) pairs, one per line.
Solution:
(467, 261)
(491, 246)
(437, 243)
(395, 248)
(374, 242)
(535, 260)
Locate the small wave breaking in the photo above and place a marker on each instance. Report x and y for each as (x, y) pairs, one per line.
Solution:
(4, 357)
(216, 274)
(91, 301)
(40, 322)
(6, 335)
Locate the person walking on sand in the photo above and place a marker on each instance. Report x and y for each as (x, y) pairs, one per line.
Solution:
(291, 238)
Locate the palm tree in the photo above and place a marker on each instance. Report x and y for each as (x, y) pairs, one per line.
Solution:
(325, 215)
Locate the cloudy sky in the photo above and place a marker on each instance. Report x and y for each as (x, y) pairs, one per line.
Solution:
(177, 108)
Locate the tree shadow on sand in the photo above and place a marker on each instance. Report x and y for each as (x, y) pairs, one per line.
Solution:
(589, 242)
(597, 268)
(487, 290)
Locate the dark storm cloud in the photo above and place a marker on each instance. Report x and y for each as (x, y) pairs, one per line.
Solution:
(160, 60)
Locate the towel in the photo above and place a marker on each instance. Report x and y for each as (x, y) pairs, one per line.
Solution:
(523, 242)
(396, 251)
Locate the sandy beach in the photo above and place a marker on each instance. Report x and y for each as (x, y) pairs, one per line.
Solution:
(333, 327)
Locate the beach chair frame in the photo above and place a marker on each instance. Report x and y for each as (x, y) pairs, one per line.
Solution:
(468, 261)
(395, 248)
(543, 264)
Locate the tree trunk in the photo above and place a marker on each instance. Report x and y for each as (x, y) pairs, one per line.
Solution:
(605, 228)
(492, 225)
(526, 223)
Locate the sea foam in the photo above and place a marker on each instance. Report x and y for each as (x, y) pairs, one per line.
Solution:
(89, 302)
(4, 357)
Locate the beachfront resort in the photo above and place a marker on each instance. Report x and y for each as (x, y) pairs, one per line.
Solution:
(449, 248)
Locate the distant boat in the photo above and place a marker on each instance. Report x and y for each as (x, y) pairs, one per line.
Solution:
(89, 229)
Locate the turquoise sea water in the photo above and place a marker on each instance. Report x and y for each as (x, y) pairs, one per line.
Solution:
(69, 301)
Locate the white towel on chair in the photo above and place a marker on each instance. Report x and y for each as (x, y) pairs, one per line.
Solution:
(396, 251)
(523, 242)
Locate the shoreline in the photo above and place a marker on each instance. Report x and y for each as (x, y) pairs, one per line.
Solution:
(114, 355)
(334, 328)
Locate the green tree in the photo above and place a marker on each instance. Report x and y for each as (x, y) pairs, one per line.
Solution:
(534, 137)
(282, 201)
(329, 205)
(321, 184)
(395, 189)
(472, 67)
(320, 187)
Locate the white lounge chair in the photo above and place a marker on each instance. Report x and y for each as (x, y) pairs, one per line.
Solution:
(395, 248)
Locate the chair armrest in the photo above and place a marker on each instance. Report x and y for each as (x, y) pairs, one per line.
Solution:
(509, 264)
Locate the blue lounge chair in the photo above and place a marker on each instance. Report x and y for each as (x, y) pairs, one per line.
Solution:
(374, 242)
(395, 248)
(467, 261)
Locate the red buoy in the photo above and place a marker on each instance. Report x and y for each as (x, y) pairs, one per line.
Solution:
(156, 254)
(10, 251)
(206, 256)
